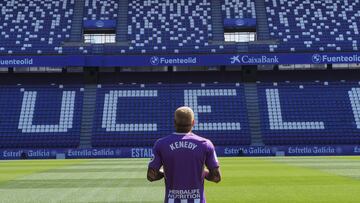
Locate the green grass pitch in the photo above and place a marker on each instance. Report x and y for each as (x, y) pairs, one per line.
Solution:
(283, 179)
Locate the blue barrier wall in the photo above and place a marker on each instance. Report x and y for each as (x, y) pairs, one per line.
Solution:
(146, 152)
(179, 60)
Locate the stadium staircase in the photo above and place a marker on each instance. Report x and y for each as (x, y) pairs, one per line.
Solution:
(252, 105)
(77, 22)
(88, 113)
(217, 21)
(262, 29)
(122, 28)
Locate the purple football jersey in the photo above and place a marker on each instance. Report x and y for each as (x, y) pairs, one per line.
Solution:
(183, 156)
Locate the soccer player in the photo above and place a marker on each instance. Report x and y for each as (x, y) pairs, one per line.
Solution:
(183, 156)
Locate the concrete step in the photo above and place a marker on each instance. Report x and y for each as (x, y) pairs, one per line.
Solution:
(89, 104)
(261, 18)
(121, 29)
(77, 21)
(217, 21)
(252, 105)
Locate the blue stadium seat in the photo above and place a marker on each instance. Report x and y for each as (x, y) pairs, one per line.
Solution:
(300, 25)
(159, 27)
(310, 113)
(35, 26)
(131, 115)
(238, 9)
(172, 27)
(40, 116)
(101, 9)
(292, 113)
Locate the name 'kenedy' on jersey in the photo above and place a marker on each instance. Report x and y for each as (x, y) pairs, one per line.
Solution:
(182, 144)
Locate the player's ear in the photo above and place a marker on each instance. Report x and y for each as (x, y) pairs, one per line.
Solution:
(193, 123)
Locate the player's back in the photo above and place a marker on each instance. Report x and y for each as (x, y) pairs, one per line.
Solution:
(183, 157)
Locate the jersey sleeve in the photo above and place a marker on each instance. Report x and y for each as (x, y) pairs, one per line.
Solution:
(156, 161)
(211, 157)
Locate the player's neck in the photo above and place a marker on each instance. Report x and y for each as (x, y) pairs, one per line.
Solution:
(182, 133)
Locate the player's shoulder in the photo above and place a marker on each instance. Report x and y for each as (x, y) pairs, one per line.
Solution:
(163, 139)
(201, 139)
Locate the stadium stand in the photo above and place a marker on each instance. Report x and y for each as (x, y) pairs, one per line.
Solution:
(41, 27)
(163, 26)
(174, 37)
(238, 9)
(304, 25)
(309, 113)
(150, 28)
(137, 115)
(35, 27)
(101, 10)
(220, 111)
(40, 116)
(291, 113)
(129, 115)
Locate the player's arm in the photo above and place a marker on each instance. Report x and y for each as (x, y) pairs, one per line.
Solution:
(154, 171)
(154, 175)
(213, 175)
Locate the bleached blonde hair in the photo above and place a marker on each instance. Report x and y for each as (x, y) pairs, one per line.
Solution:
(184, 119)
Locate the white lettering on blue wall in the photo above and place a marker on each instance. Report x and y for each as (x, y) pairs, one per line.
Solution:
(141, 152)
(11, 154)
(90, 152)
(189, 60)
(191, 100)
(312, 150)
(251, 59)
(39, 153)
(341, 59)
(25, 61)
(247, 151)
(354, 95)
(275, 115)
(28, 110)
(110, 111)
(260, 59)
